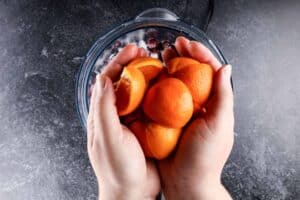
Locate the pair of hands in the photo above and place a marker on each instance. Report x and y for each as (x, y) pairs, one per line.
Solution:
(193, 171)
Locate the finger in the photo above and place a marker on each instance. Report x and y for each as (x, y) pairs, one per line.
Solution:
(220, 108)
(114, 68)
(141, 52)
(106, 118)
(182, 46)
(90, 120)
(152, 183)
(90, 90)
(201, 53)
(168, 54)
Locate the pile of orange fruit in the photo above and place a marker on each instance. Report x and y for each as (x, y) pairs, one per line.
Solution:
(156, 101)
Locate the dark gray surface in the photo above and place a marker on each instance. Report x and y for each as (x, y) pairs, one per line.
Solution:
(42, 146)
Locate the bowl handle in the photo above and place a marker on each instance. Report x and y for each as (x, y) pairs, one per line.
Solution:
(157, 13)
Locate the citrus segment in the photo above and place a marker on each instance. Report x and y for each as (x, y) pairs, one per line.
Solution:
(149, 66)
(129, 90)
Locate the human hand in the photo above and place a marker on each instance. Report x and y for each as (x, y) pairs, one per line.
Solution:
(194, 171)
(115, 154)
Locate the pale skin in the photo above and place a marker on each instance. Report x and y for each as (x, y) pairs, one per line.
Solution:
(193, 171)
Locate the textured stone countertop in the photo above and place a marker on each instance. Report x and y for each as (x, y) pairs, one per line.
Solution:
(42, 145)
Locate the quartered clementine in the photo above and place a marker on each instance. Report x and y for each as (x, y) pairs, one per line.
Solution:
(150, 67)
(129, 90)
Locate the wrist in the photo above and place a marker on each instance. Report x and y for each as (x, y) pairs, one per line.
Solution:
(214, 191)
(208, 188)
(119, 193)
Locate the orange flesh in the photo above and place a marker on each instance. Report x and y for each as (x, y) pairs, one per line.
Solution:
(122, 91)
(149, 66)
(130, 90)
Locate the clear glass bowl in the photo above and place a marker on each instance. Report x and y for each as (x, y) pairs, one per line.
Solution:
(156, 26)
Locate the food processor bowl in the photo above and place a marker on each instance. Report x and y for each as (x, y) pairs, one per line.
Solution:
(153, 27)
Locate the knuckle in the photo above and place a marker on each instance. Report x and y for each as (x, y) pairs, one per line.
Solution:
(90, 128)
(90, 122)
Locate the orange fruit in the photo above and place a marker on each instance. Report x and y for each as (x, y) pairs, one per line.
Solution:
(150, 67)
(197, 77)
(178, 63)
(129, 90)
(169, 96)
(162, 75)
(169, 103)
(157, 141)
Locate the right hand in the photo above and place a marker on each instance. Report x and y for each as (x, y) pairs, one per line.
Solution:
(194, 171)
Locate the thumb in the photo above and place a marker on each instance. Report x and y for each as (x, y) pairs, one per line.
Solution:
(220, 106)
(152, 184)
(106, 119)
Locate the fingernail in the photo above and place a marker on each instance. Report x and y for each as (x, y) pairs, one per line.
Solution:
(227, 71)
(100, 82)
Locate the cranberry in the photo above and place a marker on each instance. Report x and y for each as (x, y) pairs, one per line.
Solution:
(165, 44)
(152, 43)
(117, 44)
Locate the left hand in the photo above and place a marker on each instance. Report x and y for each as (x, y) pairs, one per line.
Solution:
(115, 154)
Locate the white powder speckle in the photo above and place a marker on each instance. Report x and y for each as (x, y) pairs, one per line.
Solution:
(29, 74)
(77, 60)
(44, 52)
(4, 52)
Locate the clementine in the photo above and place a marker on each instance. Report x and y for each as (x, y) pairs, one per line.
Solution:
(197, 77)
(150, 67)
(129, 90)
(178, 63)
(169, 103)
(162, 75)
(169, 96)
(157, 141)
